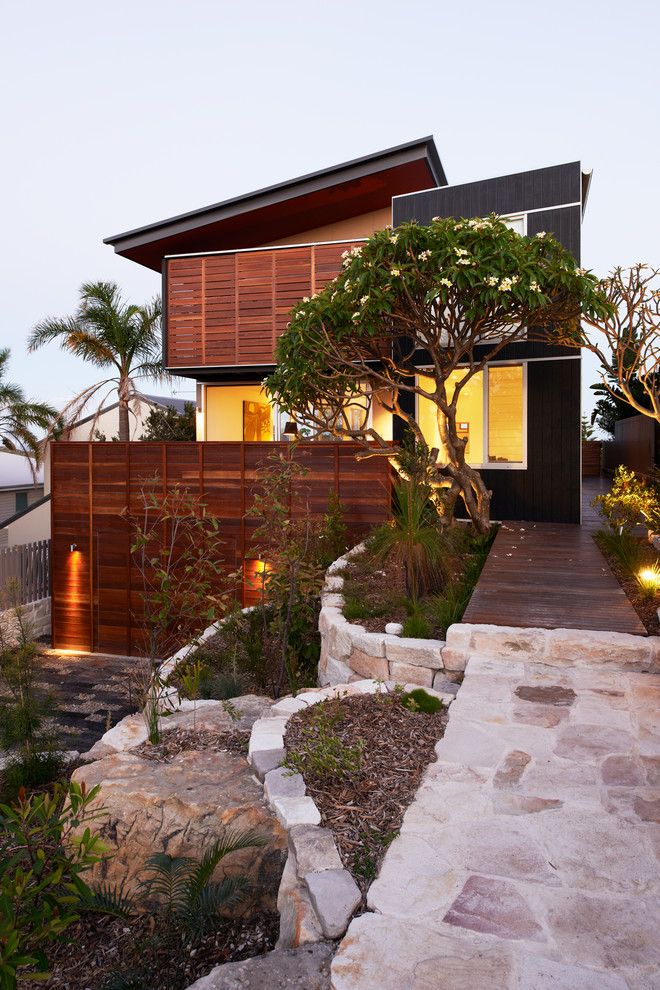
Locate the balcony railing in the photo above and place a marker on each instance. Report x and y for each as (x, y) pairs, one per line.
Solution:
(228, 309)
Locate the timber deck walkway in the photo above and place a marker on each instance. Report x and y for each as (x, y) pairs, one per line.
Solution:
(551, 576)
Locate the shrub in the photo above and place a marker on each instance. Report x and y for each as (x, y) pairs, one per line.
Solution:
(30, 771)
(629, 502)
(448, 607)
(354, 609)
(43, 853)
(420, 700)
(648, 579)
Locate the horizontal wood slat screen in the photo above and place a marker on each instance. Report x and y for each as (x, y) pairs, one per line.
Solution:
(229, 309)
(96, 588)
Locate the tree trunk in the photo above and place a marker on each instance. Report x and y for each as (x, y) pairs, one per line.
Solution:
(124, 431)
(473, 491)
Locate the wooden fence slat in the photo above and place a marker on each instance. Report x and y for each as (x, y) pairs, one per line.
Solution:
(29, 565)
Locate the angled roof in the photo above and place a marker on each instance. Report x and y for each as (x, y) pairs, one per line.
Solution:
(161, 401)
(331, 194)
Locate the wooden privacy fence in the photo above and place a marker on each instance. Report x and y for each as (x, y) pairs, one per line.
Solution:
(29, 566)
(97, 586)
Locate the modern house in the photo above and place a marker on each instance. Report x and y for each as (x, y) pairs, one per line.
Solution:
(232, 271)
(231, 274)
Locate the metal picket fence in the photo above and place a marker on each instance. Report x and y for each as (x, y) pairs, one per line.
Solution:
(29, 565)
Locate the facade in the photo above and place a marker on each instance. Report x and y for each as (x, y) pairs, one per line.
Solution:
(232, 271)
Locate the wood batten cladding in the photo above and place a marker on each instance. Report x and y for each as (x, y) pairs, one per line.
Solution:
(97, 588)
(228, 309)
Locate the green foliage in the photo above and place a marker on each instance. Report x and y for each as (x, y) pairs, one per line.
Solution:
(185, 899)
(45, 845)
(333, 533)
(623, 547)
(31, 771)
(321, 753)
(420, 700)
(21, 418)
(648, 579)
(24, 707)
(354, 609)
(291, 580)
(449, 606)
(109, 333)
(587, 429)
(629, 502)
(167, 424)
(417, 626)
(373, 842)
(452, 289)
(412, 538)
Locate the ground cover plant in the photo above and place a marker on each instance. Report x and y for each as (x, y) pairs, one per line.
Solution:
(631, 506)
(362, 758)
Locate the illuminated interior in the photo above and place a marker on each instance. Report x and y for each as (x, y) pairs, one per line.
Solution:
(505, 414)
(237, 412)
(496, 397)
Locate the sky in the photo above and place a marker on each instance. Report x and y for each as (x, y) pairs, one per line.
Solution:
(117, 114)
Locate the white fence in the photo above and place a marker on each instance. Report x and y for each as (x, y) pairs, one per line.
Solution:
(29, 565)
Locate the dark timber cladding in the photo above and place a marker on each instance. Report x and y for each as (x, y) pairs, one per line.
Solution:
(96, 587)
(549, 488)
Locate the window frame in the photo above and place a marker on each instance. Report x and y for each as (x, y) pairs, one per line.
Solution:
(493, 465)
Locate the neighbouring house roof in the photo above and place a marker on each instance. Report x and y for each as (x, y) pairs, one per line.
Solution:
(159, 401)
(282, 210)
(17, 515)
(18, 472)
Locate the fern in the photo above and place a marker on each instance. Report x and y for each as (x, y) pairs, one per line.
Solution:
(108, 900)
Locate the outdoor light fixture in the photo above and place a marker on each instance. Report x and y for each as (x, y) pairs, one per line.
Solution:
(291, 429)
(73, 548)
(648, 579)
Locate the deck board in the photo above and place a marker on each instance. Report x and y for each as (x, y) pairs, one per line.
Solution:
(550, 576)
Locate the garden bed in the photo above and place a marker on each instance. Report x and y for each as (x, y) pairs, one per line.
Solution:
(106, 946)
(645, 605)
(375, 591)
(362, 758)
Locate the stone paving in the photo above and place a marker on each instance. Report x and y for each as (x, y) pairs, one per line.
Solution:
(90, 694)
(529, 858)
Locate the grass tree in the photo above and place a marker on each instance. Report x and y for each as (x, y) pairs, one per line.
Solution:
(446, 298)
(112, 334)
(20, 418)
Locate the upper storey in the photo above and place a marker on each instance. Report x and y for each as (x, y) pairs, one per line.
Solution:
(233, 271)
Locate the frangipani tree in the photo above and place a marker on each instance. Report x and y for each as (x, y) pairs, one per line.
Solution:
(627, 337)
(446, 298)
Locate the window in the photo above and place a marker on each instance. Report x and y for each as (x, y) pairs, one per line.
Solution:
(21, 501)
(491, 416)
(517, 223)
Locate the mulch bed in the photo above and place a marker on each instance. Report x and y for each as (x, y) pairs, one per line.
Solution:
(175, 741)
(365, 810)
(100, 945)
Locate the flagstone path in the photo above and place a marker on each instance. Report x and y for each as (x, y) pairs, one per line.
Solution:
(529, 858)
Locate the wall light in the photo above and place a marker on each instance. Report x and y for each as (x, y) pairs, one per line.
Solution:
(73, 547)
(290, 429)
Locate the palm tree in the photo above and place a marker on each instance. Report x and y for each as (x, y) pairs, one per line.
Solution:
(109, 333)
(19, 417)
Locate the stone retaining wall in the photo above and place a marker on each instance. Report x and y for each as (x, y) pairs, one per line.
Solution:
(350, 653)
(317, 896)
(37, 616)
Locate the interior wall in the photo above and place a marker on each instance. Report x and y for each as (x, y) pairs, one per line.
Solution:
(224, 409)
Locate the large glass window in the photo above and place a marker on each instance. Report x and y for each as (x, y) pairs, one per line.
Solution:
(491, 415)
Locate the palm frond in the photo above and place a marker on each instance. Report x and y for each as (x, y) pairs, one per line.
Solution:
(231, 841)
(109, 900)
(170, 880)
